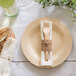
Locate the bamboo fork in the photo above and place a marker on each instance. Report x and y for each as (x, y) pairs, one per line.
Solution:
(46, 39)
(46, 34)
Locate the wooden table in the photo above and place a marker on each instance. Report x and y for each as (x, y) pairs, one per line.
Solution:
(20, 65)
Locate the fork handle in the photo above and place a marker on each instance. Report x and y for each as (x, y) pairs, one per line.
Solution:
(46, 55)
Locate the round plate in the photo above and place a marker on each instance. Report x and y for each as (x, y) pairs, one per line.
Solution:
(61, 42)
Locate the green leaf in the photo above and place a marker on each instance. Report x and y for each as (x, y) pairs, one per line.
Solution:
(65, 1)
(74, 1)
(74, 6)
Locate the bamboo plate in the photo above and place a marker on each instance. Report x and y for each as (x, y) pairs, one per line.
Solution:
(61, 42)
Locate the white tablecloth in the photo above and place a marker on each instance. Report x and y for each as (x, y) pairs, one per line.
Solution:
(29, 12)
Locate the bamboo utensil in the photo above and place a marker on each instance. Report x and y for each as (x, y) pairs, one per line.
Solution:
(46, 33)
(46, 41)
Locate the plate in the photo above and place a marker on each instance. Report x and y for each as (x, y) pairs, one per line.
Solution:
(61, 42)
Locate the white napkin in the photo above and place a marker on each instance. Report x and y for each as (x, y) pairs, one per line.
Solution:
(6, 56)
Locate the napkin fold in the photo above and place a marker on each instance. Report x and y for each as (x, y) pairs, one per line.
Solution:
(6, 56)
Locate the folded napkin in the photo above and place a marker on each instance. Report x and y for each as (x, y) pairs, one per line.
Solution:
(6, 56)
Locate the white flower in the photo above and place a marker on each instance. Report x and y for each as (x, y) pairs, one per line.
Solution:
(75, 11)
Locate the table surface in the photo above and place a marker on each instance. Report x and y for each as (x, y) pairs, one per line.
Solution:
(29, 12)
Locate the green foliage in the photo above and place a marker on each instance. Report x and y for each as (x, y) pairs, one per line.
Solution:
(69, 3)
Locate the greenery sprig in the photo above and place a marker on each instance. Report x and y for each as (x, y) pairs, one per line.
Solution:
(69, 3)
